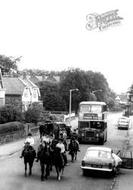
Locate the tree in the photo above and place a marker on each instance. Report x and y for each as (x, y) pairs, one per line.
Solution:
(56, 96)
(10, 113)
(8, 63)
(51, 97)
(74, 78)
(86, 82)
(34, 113)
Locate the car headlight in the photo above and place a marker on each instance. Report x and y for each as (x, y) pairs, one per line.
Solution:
(83, 163)
(97, 135)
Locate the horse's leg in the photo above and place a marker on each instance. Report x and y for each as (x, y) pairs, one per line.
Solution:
(42, 171)
(30, 167)
(75, 155)
(57, 171)
(62, 170)
(60, 173)
(47, 171)
(72, 156)
(25, 163)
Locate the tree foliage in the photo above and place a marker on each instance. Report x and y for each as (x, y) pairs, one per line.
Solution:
(52, 100)
(10, 113)
(91, 85)
(8, 63)
(33, 114)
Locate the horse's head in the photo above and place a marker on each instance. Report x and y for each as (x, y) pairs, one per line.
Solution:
(27, 144)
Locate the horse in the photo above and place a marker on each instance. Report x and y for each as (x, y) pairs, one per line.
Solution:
(49, 156)
(44, 156)
(29, 154)
(73, 148)
(58, 162)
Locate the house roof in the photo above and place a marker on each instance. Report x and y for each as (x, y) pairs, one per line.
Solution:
(13, 85)
(28, 83)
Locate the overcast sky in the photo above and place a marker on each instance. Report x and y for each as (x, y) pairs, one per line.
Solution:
(51, 35)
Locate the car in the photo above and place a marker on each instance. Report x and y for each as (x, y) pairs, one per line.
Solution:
(123, 123)
(99, 158)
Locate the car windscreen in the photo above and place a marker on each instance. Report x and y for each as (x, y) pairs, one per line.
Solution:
(98, 154)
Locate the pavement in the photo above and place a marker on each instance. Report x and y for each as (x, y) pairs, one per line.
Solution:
(124, 181)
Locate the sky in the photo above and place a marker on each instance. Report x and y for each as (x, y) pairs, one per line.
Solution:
(52, 35)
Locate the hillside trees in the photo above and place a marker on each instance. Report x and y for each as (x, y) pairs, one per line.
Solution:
(91, 86)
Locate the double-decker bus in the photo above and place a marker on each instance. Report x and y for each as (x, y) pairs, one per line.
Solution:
(92, 122)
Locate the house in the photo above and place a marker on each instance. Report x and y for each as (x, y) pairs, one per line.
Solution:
(20, 91)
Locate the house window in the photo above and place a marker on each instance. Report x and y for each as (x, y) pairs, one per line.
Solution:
(35, 94)
(26, 93)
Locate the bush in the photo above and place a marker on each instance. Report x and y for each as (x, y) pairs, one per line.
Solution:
(34, 113)
(10, 113)
(11, 127)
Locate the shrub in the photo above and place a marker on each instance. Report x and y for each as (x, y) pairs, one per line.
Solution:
(10, 113)
(11, 127)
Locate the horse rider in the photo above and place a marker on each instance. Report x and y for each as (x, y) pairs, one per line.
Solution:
(45, 137)
(73, 144)
(61, 145)
(29, 141)
(75, 134)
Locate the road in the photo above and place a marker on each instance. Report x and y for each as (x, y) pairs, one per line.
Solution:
(12, 169)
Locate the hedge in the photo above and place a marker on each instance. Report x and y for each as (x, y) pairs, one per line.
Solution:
(11, 127)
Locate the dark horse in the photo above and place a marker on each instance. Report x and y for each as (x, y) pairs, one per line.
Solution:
(58, 162)
(48, 157)
(44, 155)
(29, 155)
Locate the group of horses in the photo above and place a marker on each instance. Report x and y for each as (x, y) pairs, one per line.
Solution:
(48, 155)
